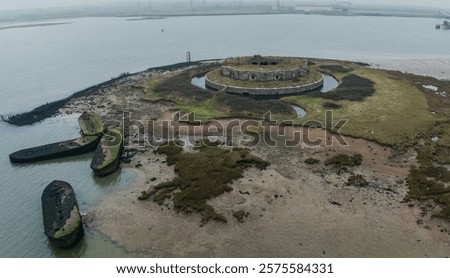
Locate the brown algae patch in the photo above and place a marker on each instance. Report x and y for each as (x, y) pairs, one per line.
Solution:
(201, 176)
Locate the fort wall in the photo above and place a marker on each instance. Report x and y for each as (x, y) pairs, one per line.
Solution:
(263, 91)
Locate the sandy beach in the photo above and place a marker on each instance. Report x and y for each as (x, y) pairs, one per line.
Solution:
(294, 209)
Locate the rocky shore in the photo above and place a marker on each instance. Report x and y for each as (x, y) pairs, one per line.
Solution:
(51, 109)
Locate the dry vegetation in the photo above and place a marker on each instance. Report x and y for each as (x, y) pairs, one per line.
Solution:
(388, 107)
(201, 176)
(431, 179)
(344, 160)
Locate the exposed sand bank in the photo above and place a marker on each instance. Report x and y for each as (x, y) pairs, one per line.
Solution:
(295, 209)
(437, 68)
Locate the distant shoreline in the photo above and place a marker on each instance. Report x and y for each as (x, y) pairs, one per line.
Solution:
(34, 25)
(28, 15)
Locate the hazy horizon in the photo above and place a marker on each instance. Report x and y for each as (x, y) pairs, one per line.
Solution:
(31, 4)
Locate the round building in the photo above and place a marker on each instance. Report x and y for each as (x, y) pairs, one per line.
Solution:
(260, 75)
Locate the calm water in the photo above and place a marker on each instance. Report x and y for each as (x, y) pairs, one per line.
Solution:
(329, 83)
(43, 64)
(21, 186)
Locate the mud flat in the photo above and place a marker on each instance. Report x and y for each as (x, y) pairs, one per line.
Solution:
(437, 68)
(293, 208)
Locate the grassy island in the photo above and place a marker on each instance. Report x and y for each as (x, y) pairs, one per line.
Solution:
(388, 107)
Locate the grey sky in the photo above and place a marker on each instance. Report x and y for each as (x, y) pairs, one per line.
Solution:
(24, 4)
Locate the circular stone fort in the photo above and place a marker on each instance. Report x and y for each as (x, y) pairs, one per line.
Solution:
(260, 75)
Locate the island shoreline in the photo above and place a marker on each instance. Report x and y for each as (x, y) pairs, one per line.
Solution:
(295, 209)
(51, 109)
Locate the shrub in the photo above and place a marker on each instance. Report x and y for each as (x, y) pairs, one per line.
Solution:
(428, 180)
(357, 180)
(240, 215)
(345, 160)
(201, 176)
(312, 161)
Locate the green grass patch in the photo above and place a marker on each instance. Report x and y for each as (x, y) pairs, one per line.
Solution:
(329, 105)
(209, 105)
(244, 106)
(444, 135)
(203, 111)
(150, 92)
(312, 105)
(397, 114)
(379, 105)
